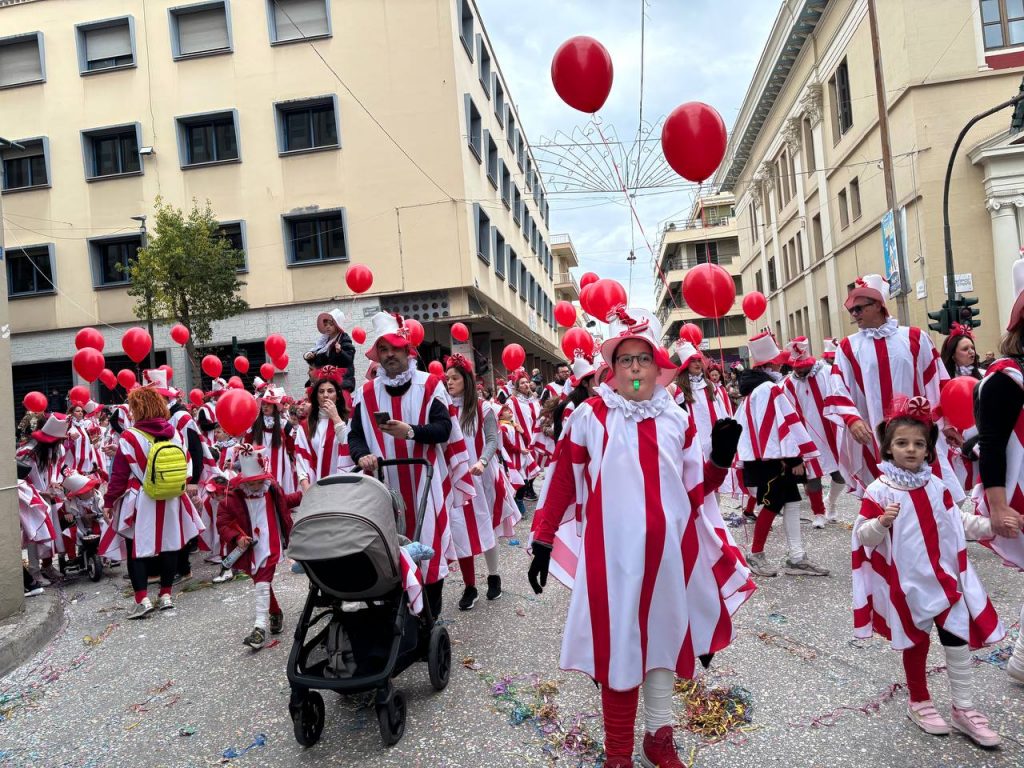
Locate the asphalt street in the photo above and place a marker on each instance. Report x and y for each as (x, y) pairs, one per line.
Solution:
(179, 688)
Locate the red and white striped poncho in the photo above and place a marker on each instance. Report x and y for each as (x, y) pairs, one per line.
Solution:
(84, 457)
(183, 422)
(209, 539)
(525, 411)
(710, 403)
(902, 363)
(451, 484)
(411, 581)
(919, 573)
(285, 458)
(34, 516)
(515, 452)
(772, 429)
(654, 586)
(1011, 550)
(326, 453)
(492, 510)
(824, 406)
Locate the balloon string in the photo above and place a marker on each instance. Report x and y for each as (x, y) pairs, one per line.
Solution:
(707, 259)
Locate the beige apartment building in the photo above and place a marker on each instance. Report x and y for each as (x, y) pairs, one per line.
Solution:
(323, 134)
(804, 159)
(708, 235)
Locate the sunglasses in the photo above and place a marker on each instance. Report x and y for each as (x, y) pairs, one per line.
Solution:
(857, 309)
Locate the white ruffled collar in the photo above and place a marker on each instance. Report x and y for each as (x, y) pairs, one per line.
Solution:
(906, 478)
(697, 382)
(884, 331)
(401, 379)
(636, 410)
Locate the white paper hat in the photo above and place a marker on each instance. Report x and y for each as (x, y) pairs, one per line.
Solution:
(686, 352)
(634, 323)
(763, 349)
(799, 351)
(157, 379)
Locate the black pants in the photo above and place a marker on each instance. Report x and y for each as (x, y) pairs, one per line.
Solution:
(434, 595)
(27, 578)
(166, 562)
(948, 639)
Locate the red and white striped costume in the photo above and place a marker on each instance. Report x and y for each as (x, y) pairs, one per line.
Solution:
(326, 453)
(516, 453)
(411, 581)
(209, 410)
(654, 586)
(905, 362)
(34, 516)
(266, 532)
(772, 429)
(525, 411)
(919, 573)
(182, 422)
(824, 406)
(155, 526)
(82, 455)
(209, 539)
(47, 482)
(710, 403)
(543, 445)
(492, 509)
(451, 484)
(288, 459)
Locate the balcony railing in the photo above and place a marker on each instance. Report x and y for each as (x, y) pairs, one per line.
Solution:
(561, 278)
(559, 239)
(712, 221)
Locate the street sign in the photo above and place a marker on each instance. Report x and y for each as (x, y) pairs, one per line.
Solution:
(890, 254)
(920, 289)
(962, 283)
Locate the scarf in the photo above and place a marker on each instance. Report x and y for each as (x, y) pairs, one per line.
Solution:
(884, 331)
(401, 379)
(697, 382)
(906, 478)
(636, 410)
(965, 370)
(260, 493)
(269, 422)
(324, 343)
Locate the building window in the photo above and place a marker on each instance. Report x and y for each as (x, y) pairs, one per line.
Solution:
(844, 211)
(483, 65)
(527, 224)
(21, 60)
(200, 30)
(826, 317)
(499, 101)
(809, 161)
(517, 204)
(524, 284)
(111, 258)
(112, 151)
(510, 129)
(315, 239)
(513, 270)
(106, 45)
(840, 103)
(492, 159)
(307, 125)
(505, 183)
(26, 168)
(1002, 23)
(520, 147)
(499, 254)
(474, 126)
(466, 24)
(531, 294)
(819, 243)
(759, 281)
(705, 252)
(483, 233)
(855, 196)
(209, 138)
(234, 233)
(773, 282)
(29, 270)
(292, 20)
(786, 270)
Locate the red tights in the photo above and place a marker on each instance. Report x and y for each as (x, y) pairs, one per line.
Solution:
(762, 528)
(468, 567)
(619, 708)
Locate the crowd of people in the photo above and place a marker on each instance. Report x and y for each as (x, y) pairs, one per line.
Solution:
(655, 581)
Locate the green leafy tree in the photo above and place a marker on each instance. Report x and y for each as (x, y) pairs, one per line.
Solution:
(187, 273)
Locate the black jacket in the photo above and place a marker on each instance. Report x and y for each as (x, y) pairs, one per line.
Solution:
(749, 380)
(342, 358)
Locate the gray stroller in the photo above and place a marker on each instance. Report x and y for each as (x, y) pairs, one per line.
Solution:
(356, 632)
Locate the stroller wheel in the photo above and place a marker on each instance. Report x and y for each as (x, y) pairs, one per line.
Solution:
(439, 658)
(391, 717)
(309, 720)
(94, 565)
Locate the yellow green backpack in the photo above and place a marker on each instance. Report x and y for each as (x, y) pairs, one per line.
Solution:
(166, 469)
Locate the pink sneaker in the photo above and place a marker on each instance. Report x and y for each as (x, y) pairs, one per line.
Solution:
(974, 725)
(659, 750)
(924, 716)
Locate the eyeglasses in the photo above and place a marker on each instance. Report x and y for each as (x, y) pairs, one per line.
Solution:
(857, 309)
(644, 360)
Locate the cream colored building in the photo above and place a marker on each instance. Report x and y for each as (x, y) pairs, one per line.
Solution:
(708, 235)
(804, 158)
(323, 133)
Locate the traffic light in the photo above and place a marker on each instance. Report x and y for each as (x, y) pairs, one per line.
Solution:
(941, 320)
(966, 312)
(1017, 121)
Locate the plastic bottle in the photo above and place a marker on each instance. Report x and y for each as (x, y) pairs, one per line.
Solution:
(236, 553)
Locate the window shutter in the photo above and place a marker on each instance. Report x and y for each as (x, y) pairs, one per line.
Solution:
(202, 31)
(295, 19)
(108, 42)
(20, 62)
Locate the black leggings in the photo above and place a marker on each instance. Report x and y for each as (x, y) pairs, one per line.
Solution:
(434, 595)
(948, 639)
(167, 562)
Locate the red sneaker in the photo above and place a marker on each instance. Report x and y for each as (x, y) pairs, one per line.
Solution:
(619, 762)
(659, 751)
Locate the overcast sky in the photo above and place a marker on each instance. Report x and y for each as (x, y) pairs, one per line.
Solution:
(695, 50)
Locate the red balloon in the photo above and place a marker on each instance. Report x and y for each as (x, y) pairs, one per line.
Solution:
(281, 363)
(275, 345)
(605, 295)
(212, 366)
(136, 343)
(267, 371)
(236, 411)
(170, 371)
(691, 333)
(79, 395)
(754, 304)
(585, 298)
(88, 363)
(577, 341)
(235, 383)
(89, 337)
(709, 290)
(693, 140)
(242, 364)
(108, 378)
(35, 402)
(581, 71)
(358, 335)
(435, 368)
(565, 314)
(460, 332)
(587, 279)
(180, 334)
(126, 378)
(957, 401)
(359, 278)
(416, 332)
(196, 397)
(513, 356)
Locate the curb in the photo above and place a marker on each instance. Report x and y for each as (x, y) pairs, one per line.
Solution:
(33, 628)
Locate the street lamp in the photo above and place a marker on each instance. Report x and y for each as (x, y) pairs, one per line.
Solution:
(149, 298)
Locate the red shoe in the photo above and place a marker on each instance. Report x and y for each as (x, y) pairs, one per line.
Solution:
(619, 762)
(659, 751)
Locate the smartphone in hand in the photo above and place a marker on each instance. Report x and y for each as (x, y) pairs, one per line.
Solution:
(381, 417)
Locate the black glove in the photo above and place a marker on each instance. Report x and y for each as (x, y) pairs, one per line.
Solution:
(725, 436)
(970, 448)
(539, 567)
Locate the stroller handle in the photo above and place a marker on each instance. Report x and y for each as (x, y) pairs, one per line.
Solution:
(421, 507)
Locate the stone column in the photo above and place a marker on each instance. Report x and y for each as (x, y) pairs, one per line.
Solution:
(1005, 249)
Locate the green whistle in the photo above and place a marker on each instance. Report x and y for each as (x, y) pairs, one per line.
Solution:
(636, 385)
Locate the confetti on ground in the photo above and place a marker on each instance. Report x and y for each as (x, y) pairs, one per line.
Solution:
(232, 754)
(188, 730)
(513, 542)
(154, 694)
(520, 611)
(714, 713)
(93, 641)
(998, 657)
(777, 618)
(470, 663)
(788, 644)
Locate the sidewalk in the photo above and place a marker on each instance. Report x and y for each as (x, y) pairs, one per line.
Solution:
(24, 633)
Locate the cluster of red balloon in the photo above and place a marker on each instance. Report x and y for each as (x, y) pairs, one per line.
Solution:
(577, 341)
(600, 296)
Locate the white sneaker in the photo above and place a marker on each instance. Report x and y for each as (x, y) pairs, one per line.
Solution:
(140, 610)
(225, 575)
(166, 603)
(758, 563)
(831, 514)
(818, 521)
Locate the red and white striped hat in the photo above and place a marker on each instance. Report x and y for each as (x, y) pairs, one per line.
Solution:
(764, 351)
(581, 369)
(76, 484)
(156, 378)
(392, 329)
(830, 347)
(627, 323)
(871, 287)
(799, 351)
(253, 465)
(217, 388)
(687, 354)
(54, 430)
